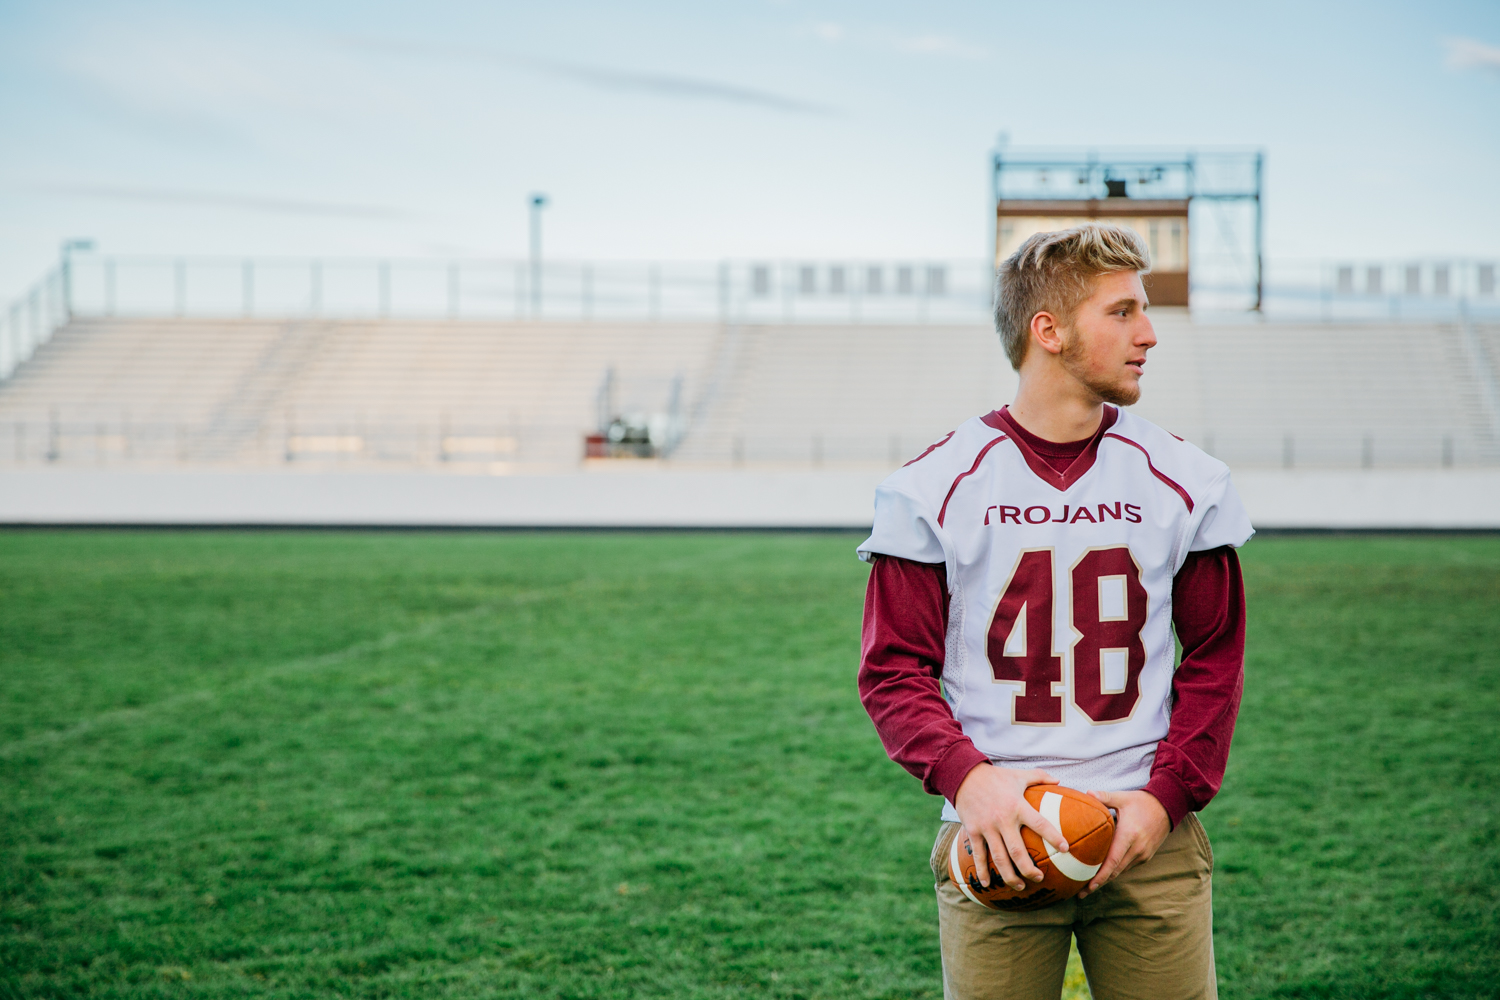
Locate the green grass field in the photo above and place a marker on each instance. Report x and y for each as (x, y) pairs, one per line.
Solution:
(600, 765)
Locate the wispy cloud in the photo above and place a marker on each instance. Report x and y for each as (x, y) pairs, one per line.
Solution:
(939, 45)
(1467, 53)
(927, 43)
(189, 82)
(659, 84)
(206, 199)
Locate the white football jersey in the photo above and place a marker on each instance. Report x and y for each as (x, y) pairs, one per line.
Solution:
(1059, 648)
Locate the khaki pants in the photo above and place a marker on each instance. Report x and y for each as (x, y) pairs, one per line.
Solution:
(1147, 934)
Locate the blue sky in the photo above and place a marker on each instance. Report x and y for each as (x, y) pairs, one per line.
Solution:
(677, 130)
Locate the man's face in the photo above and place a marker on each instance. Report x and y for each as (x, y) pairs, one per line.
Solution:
(1105, 346)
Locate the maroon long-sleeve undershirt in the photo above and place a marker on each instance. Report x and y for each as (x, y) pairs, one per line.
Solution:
(906, 622)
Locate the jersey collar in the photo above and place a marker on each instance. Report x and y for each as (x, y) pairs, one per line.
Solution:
(1001, 420)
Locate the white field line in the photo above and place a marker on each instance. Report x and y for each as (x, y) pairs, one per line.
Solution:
(304, 664)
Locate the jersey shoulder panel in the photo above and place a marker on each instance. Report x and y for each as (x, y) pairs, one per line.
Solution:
(910, 503)
(1216, 515)
(1184, 464)
(929, 477)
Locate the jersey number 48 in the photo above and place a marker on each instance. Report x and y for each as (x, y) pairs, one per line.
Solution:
(1108, 613)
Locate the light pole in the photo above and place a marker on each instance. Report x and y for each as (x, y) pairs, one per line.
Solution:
(68, 249)
(538, 202)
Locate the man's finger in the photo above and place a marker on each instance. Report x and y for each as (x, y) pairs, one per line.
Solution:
(1127, 861)
(1044, 829)
(1110, 799)
(1000, 859)
(1117, 849)
(981, 856)
(1020, 858)
(1039, 777)
(1106, 873)
(1110, 867)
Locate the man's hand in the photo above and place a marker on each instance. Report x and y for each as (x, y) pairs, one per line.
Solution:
(1141, 824)
(992, 804)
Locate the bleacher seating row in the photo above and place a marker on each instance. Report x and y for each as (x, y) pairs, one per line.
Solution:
(524, 394)
(252, 391)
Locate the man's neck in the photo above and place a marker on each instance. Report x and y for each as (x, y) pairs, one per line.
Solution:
(1056, 410)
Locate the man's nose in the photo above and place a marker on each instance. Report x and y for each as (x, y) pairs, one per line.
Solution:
(1146, 336)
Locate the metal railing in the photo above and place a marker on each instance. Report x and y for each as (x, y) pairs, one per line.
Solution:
(31, 320)
(724, 291)
(1389, 289)
(81, 438)
(1323, 449)
(731, 291)
(62, 438)
(748, 291)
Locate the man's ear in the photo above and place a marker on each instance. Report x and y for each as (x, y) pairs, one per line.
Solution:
(1046, 332)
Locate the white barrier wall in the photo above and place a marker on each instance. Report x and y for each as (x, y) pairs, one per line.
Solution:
(640, 497)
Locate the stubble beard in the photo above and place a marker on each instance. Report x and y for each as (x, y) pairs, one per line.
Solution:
(1121, 391)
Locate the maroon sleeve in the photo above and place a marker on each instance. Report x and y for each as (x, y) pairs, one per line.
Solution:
(1208, 611)
(901, 659)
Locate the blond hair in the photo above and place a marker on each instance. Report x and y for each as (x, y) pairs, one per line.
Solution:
(1055, 272)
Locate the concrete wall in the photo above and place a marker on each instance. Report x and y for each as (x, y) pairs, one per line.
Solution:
(651, 496)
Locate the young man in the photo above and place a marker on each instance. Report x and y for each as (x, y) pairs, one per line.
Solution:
(1028, 573)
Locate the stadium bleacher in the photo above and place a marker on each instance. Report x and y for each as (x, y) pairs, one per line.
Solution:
(254, 391)
(815, 394)
(452, 394)
(1328, 395)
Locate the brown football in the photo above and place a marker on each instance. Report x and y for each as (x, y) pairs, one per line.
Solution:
(1084, 822)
